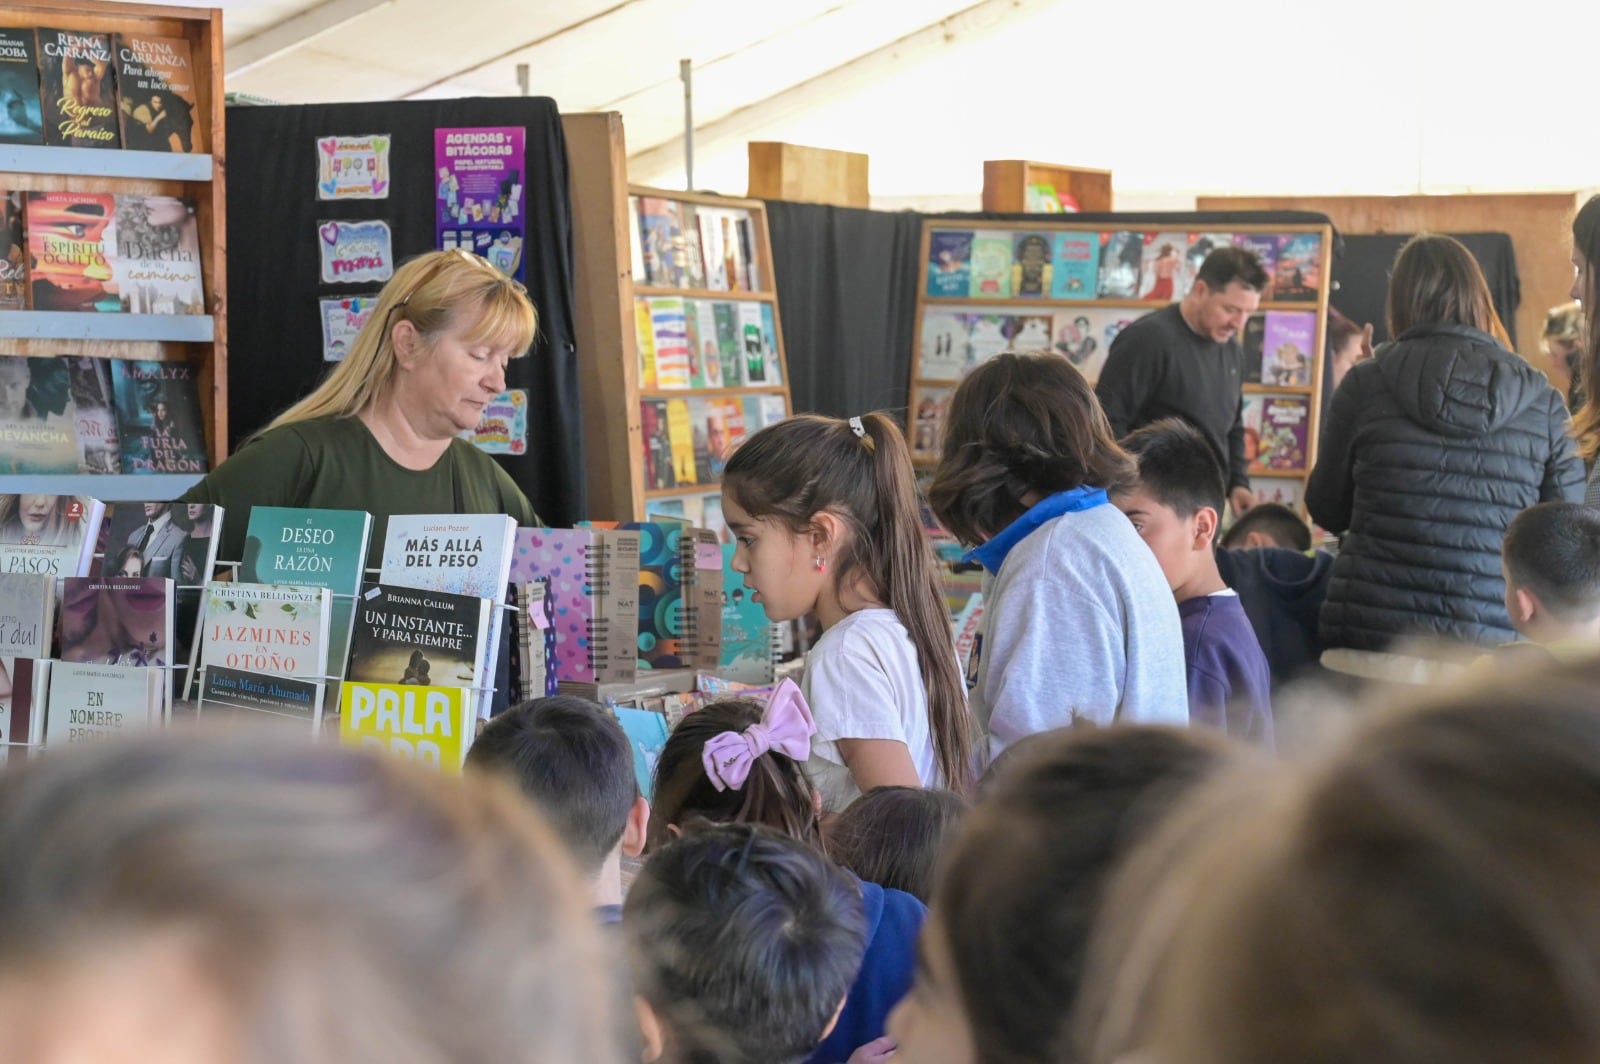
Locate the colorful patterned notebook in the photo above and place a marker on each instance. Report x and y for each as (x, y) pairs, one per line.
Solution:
(593, 575)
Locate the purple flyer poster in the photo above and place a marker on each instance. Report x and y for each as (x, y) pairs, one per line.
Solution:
(481, 193)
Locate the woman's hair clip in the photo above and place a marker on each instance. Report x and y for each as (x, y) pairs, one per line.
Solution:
(858, 428)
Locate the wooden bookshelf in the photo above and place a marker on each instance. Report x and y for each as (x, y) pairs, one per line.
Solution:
(1081, 329)
(1006, 182)
(198, 339)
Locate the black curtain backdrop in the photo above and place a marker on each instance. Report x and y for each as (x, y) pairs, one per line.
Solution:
(847, 291)
(1363, 277)
(274, 328)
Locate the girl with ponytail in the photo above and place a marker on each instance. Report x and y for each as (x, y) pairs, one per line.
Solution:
(826, 518)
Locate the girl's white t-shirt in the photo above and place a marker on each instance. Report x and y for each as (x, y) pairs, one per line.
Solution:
(862, 682)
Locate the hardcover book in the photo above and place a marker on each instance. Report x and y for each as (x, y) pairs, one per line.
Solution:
(594, 579)
(94, 416)
(158, 416)
(1285, 423)
(262, 697)
(1121, 255)
(1288, 348)
(1031, 268)
(117, 620)
(944, 345)
(71, 251)
(91, 702)
(13, 253)
(78, 89)
(37, 418)
(27, 613)
(1075, 261)
(21, 117)
(311, 548)
(949, 263)
(52, 534)
(156, 99)
(991, 265)
(425, 723)
(157, 265)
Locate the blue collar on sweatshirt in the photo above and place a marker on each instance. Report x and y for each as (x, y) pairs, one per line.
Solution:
(992, 554)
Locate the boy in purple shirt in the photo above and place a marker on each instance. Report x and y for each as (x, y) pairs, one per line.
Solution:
(1176, 507)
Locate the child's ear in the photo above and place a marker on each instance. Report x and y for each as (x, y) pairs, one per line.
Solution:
(1205, 528)
(826, 532)
(633, 833)
(652, 1039)
(1527, 604)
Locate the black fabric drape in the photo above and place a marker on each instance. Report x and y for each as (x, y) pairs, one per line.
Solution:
(847, 291)
(274, 328)
(1363, 276)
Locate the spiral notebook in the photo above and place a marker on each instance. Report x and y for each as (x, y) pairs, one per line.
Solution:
(680, 596)
(593, 576)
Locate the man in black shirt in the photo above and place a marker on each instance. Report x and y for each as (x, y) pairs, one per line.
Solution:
(1185, 361)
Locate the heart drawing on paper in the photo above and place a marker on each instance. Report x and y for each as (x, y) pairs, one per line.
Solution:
(327, 146)
(378, 186)
(330, 233)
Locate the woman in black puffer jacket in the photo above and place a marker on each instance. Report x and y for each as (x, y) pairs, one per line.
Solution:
(1429, 450)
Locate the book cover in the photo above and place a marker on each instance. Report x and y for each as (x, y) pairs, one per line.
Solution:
(1264, 246)
(769, 345)
(1164, 272)
(94, 415)
(1077, 339)
(748, 648)
(752, 344)
(594, 586)
(78, 89)
(987, 336)
(949, 263)
(24, 693)
(1297, 275)
(260, 698)
(1285, 422)
(311, 548)
(534, 674)
(1283, 491)
(1200, 246)
(709, 359)
(694, 263)
(1030, 333)
(92, 702)
(645, 337)
(71, 251)
(635, 246)
(1031, 270)
(117, 620)
(713, 248)
(265, 629)
(991, 265)
(932, 405)
(656, 441)
(670, 338)
(406, 636)
(1253, 338)
(1250, 417)
(943, 345)
(38, 431)
(21, 116)
(769, 410)
(691, 334)
(157, 266)
(658, 233)
(13, 252)
(700, 428)
(425, 723)
(680, 435)
(726, 429)
(27, 611)
(156, 100)
(52, 534)
(1075, 265)
(729, 348)
(647, 736)
(1288, 347)
(1121, 256)
(158, 416)
(747, 250)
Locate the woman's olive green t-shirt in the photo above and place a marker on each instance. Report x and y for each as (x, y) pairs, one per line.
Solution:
(336, 464)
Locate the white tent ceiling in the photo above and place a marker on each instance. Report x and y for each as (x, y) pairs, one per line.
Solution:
(1177, 98)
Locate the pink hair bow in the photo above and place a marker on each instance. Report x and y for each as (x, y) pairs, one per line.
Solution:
(786, 726)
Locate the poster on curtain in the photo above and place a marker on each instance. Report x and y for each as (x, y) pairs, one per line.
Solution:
(353, 167)
(342, 319)
(480, 193)
(503, 429)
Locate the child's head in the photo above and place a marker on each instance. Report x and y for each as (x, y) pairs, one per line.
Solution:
(897, 836)
(825, 510)
(1268, 524)
(743, 944)
(1435, 874)
(573, 759)
(1177, 502)
(1551, 559)
(775, 790)
(241, 896)
(1019, 428)
(1003, 950)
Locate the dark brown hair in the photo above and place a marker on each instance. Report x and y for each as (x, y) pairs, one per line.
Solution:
(896, 836)
(1018, 425)
(794, 470)
(1228, 264)
(1436, 281)
(778, 792)
(1586, 242)
(1341, 330)
(1027, 876)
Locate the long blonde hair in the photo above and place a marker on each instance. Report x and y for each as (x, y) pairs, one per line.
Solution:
(433, 292)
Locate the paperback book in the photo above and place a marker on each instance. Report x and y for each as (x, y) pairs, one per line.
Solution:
(1075, 263)
(726, 319)
(312, 548)
(51, 534)
(13, 250)
(949, 263)
(644, 337)
(1265, 248)
(1288, 348)
(27, 613)
(749, 651)
(99, 450)
(409, 637)
(991, 265)
(429, 724)
(1253, 338)
(21, 117)
(158, 416)
(1030, 333)
(944, 345)
(157, 264)
(90, 702)
(1031, 269)
(262, 697)
(1077, 339)
(78, 89)
(1285, 423)
(660, 238)
(657, 445)
(265, 629)
(670, 340)
(1121, 256)
(37, 419)
(1164, 271)
(71, 251)
(771, 364)
(117, 620)
(647, 735)
(705, 351)
(1297, 275)
(156, 101)
(987, 336)
(680, 435)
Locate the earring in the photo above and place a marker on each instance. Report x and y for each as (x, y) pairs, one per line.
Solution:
(822, 565)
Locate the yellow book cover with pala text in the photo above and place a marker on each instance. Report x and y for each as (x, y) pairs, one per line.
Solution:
(432, 725)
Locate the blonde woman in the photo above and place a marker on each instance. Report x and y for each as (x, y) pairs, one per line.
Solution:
(381, 432)
(239, 897)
